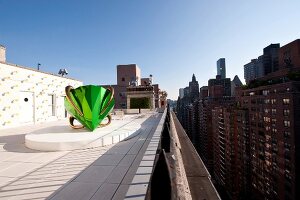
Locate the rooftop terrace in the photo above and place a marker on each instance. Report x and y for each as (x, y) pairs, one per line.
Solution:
(160, 154)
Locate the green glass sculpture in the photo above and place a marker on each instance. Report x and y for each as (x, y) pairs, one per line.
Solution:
(89, 105)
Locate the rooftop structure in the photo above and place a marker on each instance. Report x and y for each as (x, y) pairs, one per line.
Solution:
(129, 76)
(28, 95)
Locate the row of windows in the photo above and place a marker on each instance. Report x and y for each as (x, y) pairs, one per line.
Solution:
(285, 101)
(286, 112)
(272, 101)
(286, 134)
(265, 92)
(286, 123)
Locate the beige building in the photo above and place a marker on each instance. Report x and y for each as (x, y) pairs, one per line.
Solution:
(30, 96)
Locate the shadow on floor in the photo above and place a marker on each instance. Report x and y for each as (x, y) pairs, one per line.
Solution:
(51, 179)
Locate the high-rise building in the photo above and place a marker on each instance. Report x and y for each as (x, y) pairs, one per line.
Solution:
(219, 87)
(264, 64)
(221, 68)
(194, 89)
(273, 126)
(270, 58)
(181, 93)
(254, 69)
(225, 154)
(250, 142)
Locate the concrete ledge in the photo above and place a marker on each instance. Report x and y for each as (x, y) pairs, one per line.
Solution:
(139, 184)
(133, 111)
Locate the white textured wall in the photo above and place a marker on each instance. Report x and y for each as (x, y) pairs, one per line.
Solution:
(14, 80)
(2, 54)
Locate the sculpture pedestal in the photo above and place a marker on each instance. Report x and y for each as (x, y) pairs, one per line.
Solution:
(62, 138)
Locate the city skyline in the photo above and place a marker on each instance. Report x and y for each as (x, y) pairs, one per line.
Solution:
(157, 36)
(247, 134)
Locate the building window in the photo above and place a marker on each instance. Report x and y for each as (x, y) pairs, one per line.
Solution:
(286, 101)
(123, 79)
(273, 111)
(286, 123)
(273, 101)
(266, 110)
(287, 134)
(286, 112)
(267, 119)
(267, 101)
(287, 146)
(266, 92)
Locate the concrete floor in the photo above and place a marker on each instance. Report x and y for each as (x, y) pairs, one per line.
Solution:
(96, 173)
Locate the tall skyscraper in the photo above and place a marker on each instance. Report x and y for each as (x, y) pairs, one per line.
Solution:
(221, 68)
(194, 88)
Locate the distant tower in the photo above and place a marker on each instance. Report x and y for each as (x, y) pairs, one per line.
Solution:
(194, 88)
(221, 68)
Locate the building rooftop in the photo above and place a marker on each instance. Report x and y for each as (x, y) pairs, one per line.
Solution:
(124, 170)
(32, 69)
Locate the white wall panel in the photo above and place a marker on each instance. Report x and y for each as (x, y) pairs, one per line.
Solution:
(15, 81)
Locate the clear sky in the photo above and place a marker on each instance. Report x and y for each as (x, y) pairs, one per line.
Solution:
(171, 39)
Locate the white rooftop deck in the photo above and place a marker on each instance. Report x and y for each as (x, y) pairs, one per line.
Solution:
(95, 173)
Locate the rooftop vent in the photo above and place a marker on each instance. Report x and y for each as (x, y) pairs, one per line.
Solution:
(63, 72)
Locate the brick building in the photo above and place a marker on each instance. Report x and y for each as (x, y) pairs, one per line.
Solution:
(129, 81)
(250, 142)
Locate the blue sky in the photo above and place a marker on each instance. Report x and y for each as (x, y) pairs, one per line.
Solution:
(171, 39)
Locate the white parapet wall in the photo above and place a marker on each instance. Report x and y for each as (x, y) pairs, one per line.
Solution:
(31, 96)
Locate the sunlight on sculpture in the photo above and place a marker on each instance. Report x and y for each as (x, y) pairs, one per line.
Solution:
(89, 105)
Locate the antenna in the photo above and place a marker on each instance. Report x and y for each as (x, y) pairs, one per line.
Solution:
(150, 79)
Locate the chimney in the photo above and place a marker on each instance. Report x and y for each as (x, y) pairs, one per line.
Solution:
(2, 53)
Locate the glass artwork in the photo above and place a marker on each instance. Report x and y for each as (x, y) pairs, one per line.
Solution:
(89, 105)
